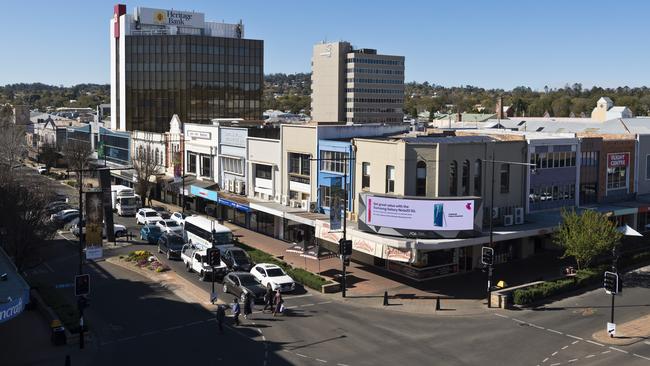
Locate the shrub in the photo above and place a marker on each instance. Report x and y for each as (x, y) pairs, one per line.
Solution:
(64, 309)
(529, 295)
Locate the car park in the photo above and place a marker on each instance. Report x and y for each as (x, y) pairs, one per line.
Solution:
(236, 259)
(170, 225)
(150, 233)
(273, 277)
(146, 216)
(241, 283)
(179, 217)
(171, 244)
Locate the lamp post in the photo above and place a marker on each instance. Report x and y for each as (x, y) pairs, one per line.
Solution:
(490, 265)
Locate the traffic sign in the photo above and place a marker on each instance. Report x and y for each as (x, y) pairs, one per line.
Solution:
(611, 329)
(487, 256)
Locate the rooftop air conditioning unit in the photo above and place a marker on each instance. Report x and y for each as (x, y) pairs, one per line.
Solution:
(507, 220)
(285, 200)
(313, 207)
(519, 215)
(305, 205)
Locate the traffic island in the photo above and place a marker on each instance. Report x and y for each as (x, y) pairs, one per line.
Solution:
(627, 333)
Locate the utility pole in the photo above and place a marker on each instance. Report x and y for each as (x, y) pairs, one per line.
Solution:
(345, 210)
(82, 238)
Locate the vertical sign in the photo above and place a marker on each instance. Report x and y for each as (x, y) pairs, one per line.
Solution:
(336, 203)
(177, 166)
(105, 183)
(94, 218)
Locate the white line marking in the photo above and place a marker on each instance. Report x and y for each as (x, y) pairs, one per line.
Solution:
(554, 353)
(264, 338)
(174, 328)
(536, 326)
(195, 323)
(148, 333)
(643, 357)
(500, 316)
(590, 356)
(604, 352)
(647, 342)
(618, 349)
(323, 302)
(574, 342)
(565, 347)
(291, 307)
(518, 321)
(546, 359)
(125, 339)
(301, 355)
(319, 360)
(555, 364)
(341, 364)
(554, 331)
(307, 305)
(574, 337)
(596, 343)
(299, 296)
(573, 360)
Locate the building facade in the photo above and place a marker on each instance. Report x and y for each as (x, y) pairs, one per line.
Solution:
(356, 85)
(166, 62)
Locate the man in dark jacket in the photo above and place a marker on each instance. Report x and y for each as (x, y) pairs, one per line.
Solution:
(236, 310)
(268, 299)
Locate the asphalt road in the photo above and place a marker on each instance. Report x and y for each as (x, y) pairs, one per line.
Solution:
(138, 321)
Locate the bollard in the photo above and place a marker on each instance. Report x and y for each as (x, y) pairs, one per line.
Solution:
(385, 298)
(437, 303)
(67, 360)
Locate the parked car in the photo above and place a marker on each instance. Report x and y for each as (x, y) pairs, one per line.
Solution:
(171, 244)
(55, 207)
(150, 233)
(179, 217)
(42, 170)
(237, 259)
(64, 216)
(118, 230)
(241, 283)
(61, 197)
(147, 216)
(273, 277)
(170, 225)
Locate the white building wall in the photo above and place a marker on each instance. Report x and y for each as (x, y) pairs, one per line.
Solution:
(202, 139)
(266, 152)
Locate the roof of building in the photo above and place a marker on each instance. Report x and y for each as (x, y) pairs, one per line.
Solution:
(447, 139)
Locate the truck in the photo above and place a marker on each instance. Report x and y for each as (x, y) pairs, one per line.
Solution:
(195, 258)
(123, 200)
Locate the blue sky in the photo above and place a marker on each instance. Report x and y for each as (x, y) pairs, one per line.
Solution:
(492, 44)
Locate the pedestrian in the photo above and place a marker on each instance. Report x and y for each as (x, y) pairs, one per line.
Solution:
(278, 303)
(248, 306)
(268, 299)
(236, 310)
(221, 315)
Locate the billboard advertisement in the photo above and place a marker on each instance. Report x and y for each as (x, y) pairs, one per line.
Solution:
(418, 217)
(94, 218)
(170, 17)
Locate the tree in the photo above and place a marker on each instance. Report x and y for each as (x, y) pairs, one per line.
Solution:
(586, 235)
(77, 155)
(49, 154)
(146, 165)
(13, 146)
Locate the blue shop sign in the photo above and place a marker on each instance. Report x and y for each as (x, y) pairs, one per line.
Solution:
(14, 307)
(204, 193)
(234, 205)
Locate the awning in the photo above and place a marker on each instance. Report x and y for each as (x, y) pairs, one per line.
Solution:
(14, 292)
(628, 231)
(235, 201)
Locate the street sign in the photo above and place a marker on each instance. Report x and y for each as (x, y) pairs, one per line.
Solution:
(64, 285)
(611, 329)
(213, 297)
(94, 253)
(487, 256)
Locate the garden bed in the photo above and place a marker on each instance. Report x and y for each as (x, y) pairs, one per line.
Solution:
(145, 259)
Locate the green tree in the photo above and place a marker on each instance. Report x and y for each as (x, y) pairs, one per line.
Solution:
(586, 235)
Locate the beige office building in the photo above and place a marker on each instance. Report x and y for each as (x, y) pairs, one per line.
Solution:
(356, 85)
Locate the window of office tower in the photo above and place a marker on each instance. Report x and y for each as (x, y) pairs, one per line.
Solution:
(196, 77)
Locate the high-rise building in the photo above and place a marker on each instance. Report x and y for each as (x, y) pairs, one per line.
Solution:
(356, 85)
(166, 62)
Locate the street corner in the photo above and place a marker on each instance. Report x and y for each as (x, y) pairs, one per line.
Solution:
(627, 333)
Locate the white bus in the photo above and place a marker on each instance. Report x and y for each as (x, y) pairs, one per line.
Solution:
(207, 233)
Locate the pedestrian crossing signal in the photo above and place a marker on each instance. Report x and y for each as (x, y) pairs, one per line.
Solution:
(487, 256)
(214, 257)
(611, 282)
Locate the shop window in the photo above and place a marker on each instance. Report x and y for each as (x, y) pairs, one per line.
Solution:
(505, 178)
(617, 177)
(390, 179)
(453, 178)
(421, 179)
(299, 164)
(365, 175)
(478, 171)
(191, 162)
(465, 178)
(206, 166)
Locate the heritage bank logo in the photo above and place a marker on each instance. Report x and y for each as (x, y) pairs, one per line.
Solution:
(170, 17)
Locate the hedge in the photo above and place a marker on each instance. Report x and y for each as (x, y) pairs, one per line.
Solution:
(529, 295)
(66, 311)
(298, 274)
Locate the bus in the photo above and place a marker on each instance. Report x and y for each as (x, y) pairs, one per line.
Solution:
(206, 233)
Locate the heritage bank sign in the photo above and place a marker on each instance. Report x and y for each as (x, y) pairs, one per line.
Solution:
(170, 17)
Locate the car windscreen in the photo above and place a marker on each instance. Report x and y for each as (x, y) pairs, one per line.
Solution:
(221, 238)
(239, 255)
(128, 201)
(171, 224)
(150, 214)
(275, 272)
(175, 241)
(247, 280)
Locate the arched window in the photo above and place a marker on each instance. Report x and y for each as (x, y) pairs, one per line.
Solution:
(478, 171)
(421, 178)
(465, 178)
(453, 178)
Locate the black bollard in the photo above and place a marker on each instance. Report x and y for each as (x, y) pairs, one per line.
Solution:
(437, 303)
(385, 298)
(67, 360)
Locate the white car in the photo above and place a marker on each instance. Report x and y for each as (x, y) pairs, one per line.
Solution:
(170, 226)
(42, 170)
(179, 217)
(63, 215)
(273, 277)
(147, 216)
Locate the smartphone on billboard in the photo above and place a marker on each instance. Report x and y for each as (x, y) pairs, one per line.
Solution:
(438, 214)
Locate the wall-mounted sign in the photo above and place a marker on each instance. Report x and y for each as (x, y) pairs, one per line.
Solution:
(199, 135)
(204, 193)
(170, 17)
(616, 160)
(232, 136)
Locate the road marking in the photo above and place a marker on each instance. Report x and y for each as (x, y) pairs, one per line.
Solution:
(301, 355)
(536, 326)
(502, 316)
(647, 342)
(341, 364)
(125, 339)
(554, 331)
(299, 296)
(48, 267)
(319, 360)
(324, 302)
(574, 342)
(565, 347)
(264, 339)
(291, 307)
(574, 337)
(590, 356)
(148, 333)
(307, 305)
(174, 328)
(596, 343)
(546, 359)
(554, 353)
(643, 357)
(618, 349)
(572, 360)
(604, 352)
(518, 321)
(555, 364)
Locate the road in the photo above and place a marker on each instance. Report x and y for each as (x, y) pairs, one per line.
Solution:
(137, 321)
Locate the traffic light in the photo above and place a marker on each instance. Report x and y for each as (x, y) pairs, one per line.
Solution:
(611, 282)
(82, 285)
(345, 247)
(487, 256)
(214, 257)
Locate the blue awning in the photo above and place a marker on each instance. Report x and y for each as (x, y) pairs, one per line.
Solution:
(14, 292)
(234, 205)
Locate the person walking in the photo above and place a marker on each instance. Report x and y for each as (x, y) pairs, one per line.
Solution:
(221, 315)
(278, 303)
(248, 305)
(268, 300)
(236, 310)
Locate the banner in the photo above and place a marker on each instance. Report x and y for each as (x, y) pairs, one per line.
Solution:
(336, 203)
(177, 166)
(94, 218)
(105, 183)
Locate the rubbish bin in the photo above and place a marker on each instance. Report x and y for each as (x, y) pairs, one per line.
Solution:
(58, 333)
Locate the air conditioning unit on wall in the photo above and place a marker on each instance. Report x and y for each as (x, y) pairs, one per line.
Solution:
(519, 215)
(276, 198)
(239, 187)
(508, 220)
(313, 207)
(305, 205)
(285, 200)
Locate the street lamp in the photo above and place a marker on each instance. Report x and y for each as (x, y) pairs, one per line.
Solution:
(494, 162)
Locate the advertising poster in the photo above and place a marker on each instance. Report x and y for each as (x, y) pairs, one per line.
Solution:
(336, 203)
(412, 214)
(94, 218)
(105, 182)
(177, 167)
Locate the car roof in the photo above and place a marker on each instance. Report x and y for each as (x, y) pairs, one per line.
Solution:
(241, 273)
(268, 265)
(148, 210)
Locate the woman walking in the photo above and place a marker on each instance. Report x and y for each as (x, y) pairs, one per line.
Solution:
(278, 302)
(248, 305)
